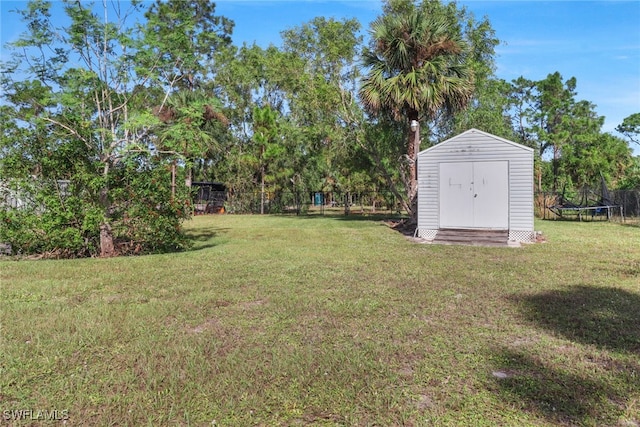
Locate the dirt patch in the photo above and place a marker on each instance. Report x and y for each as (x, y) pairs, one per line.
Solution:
(207, 325)
(503, 374)
(402, 226)
(252, 304)
(424, 402)
(407, 229)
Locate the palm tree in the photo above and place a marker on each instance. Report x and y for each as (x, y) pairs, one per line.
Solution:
(418, 69)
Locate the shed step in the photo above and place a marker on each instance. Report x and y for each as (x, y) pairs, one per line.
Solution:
(472, 237)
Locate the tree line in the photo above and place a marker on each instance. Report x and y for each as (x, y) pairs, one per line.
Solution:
(127, 104)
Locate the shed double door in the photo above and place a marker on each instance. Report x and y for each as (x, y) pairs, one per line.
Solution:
(474, 195)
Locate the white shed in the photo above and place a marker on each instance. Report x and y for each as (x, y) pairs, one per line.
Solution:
(476, 181)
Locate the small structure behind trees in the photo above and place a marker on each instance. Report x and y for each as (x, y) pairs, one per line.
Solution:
(208, 197)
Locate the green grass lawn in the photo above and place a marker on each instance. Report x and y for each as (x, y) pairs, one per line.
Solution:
(326, 320)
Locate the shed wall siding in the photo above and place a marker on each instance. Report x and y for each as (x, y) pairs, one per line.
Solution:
(477, 146)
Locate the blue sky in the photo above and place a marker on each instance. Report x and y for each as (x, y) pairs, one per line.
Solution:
(598, 42)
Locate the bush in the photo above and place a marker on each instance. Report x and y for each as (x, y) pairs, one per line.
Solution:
(62, 218)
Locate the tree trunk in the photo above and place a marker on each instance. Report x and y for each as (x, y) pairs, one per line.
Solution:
(189, 179)
(107, 248)
(347, 203)
(555, 162)
(173, 180)
(539, 180)
(413, 147)
(262, 191)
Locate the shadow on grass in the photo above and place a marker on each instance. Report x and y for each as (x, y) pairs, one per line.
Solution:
(635, 223)
(203, 238)
(563, 384)
(561, 394)
(603, 316)
(352, 216)
(396, 222)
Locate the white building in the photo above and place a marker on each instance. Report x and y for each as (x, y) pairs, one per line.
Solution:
(476, 181)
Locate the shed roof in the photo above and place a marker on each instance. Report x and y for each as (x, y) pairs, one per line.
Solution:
(481, 133)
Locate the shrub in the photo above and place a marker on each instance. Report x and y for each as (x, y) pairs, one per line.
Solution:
(62, 218)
